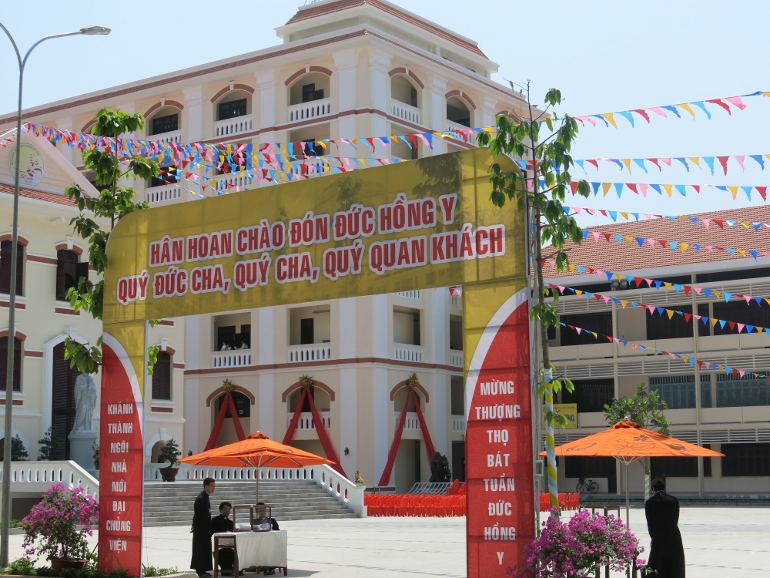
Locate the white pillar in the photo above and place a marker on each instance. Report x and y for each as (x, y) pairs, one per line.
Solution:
(439, 330)
(436, 411)
(379, 82)
(382, 410)
(348, 416)
(348, 321)
(437, 119)
(346, 61)
(488, 112)
(380, 325)
(192, 129)
(269, 418)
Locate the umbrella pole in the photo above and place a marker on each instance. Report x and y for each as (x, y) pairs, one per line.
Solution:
(257, 500)
(627, 501)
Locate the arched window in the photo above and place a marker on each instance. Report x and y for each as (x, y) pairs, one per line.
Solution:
(68, 272)
(16, 363)
(242, 404)
(458, 112)
(5, 267)
(161, 377)
(321, 400)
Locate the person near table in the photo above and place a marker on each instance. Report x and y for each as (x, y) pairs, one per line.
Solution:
(666, 549)
(263, 519)
(223, 523)
(201, 529)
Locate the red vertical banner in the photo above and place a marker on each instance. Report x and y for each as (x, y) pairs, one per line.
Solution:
(498, 439)
(121, 456)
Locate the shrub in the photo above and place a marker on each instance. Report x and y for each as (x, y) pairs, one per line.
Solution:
(151, 571)
(170, 453)
(23, 567)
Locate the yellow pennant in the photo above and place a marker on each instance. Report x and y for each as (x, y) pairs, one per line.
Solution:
(733, 191)
(629, 239)
(742, 252)
(687, 108)
(670, 313)
(609, 117)
(624, 215)
(718, 293)
(683, 246)
(623, 303)
(572, 267)
(767, 300)
(606, 188)
(596, 336)
(713, 321)
(667, 284)
(667, 188)
(578, 292)
(694, 160)
(627, 162)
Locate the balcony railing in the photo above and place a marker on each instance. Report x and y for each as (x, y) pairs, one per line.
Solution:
(314, 352)
(234, 358)
(405, 111)
(456, 300)
(411, 423)
(455, 358)
(312, 109)
(404, 352)
(457, 127)
(410, 294)
(174, 136)
(306, 420)
(458, 425)
(233, 126)
(234, 180)
(162, 194)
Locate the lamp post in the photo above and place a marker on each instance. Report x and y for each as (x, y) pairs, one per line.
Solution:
(5, 501)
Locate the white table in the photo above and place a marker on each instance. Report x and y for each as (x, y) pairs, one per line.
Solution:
(260, 548)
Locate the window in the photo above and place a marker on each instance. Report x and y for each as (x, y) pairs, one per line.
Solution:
(68, 272)
(166, 176)
(311, 149)
(16, 363)
(242, 404)
(306, 333)
(163, 124)
(679, 467)
(583, 467)
(161, 377)
(659, 326)
(232, 109)
(746, 459)
(457, 396)
(309, 93)
(458, 112)
(734, 275)
(678, 391)
(599, 322)
(5, 268)
(736, 391)
(740, 312)
(590, 394)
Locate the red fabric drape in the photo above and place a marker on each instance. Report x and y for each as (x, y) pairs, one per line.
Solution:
(424, 428)
(227, 403)
(326, 443)
(396, 441)
(295, 418)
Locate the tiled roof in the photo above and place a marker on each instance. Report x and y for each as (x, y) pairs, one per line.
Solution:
(611, 256)
(324, 8)
(39, 195)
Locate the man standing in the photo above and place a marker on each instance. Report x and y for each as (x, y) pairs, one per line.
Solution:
(223, 523)
(201, 527)
(666, 550)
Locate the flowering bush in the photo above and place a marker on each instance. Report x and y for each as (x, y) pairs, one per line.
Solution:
(51, 526)
(575, 548)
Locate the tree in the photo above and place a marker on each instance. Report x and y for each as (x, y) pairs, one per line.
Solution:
(48, 447)
(540, 190)
(644, 408)
(170, 453)
(18, 451)
(113, 203)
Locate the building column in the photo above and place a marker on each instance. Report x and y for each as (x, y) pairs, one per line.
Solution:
(383, 408)
(265, 355)
(266, 86)
(380, 310)
(346, 62)
(488, 112)
(437, 411)
(192, 131)
(438, 330)
(348, 416)
(436, 91)
(379, 87)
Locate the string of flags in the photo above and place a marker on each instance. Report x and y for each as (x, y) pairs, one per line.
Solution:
(659, 284)
(653, 309)
(669, 189)
(675, 246)
(645, 164)
(691, 361)
(697, 221)
(728, 104)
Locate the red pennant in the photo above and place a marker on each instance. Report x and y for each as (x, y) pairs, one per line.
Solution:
(720, 223)
(762, 192)
(723, 162)
(687, 317)
(687, 289)
(643, 113)
(731, 324)
(721, 103)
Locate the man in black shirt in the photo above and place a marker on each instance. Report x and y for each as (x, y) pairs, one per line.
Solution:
(201, 527)
(223, 523)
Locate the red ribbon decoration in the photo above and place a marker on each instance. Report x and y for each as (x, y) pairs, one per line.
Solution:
(227, 404)
(395, 443)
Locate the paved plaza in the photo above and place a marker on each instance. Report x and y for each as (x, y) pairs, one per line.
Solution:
(719, 542)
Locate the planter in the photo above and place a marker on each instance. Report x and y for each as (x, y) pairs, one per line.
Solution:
(67, 563)
(168, 474)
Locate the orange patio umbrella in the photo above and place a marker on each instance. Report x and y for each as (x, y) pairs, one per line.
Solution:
(627, 442)
(256, 451)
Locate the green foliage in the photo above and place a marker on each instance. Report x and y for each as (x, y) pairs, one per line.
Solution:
(18, 451)
(21, 567)
(95, 454)
(48, 446)
(150, 571)
(86, 572)
(645, 408)
(541, 190)
(170, 453)
(113, 203)
(152, 357)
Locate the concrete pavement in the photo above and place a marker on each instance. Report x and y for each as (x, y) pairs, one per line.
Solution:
(719, 542)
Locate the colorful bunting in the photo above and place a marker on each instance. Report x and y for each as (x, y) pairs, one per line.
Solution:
(644, 189)
(697, 221)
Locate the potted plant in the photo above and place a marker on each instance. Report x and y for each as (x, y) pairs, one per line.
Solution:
(56, 527)
(169, 453)
(579, 547)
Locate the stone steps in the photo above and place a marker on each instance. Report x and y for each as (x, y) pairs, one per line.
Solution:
(171, 504)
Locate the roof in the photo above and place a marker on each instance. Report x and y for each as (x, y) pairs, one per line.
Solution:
(331, 7)
(611, 256)
(39, 195)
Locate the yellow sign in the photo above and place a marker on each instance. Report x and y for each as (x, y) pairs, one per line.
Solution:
(414, 225)
(569, 411)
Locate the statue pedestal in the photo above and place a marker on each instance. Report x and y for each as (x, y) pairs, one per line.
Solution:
(81, 450)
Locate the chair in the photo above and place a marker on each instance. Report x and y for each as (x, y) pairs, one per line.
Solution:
(221, 542)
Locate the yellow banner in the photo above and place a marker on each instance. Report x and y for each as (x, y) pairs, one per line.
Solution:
(414, 225)
(568, 410)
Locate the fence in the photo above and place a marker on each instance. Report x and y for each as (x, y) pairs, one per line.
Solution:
(414, 505)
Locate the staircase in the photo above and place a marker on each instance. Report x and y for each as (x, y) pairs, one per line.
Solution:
(171, 504)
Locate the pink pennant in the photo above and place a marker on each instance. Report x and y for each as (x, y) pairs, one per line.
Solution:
(667, 161)
(606, 299)
(660, 111)
(596, 235)
(644, 187)
(706, 222)
(740, 160)
(736, 101)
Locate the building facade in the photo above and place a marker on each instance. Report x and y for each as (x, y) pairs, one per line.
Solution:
(707, 303)
(345, 69)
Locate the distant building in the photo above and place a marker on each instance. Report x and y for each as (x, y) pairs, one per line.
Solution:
(725, 412)
(345, 69)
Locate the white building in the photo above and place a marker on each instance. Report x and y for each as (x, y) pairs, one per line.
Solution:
(344, 69)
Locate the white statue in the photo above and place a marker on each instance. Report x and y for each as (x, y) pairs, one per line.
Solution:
(85, 402)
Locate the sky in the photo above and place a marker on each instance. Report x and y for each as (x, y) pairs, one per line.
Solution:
(603, 55)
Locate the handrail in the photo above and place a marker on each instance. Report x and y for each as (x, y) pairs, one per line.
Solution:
(39, 476)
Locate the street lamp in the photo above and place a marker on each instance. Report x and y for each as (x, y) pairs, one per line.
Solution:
(5, 502)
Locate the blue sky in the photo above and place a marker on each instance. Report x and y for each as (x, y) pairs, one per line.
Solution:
(603, 55)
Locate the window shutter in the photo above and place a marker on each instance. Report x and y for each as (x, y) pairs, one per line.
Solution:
(161, 377)
(16, 363)
(81, 271)
(5, 267)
